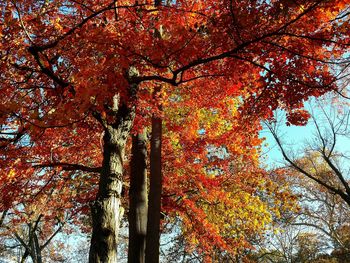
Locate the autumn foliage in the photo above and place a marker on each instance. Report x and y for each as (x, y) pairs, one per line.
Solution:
(78, 78)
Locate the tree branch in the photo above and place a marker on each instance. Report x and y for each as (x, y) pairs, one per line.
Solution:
(51, 237)
(343, 195)
(70, 167)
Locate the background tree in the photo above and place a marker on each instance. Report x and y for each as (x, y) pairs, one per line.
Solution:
(33, 223)
(311, 233)
(323, 161)
(319, 176)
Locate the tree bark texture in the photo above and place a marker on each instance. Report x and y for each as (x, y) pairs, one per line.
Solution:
(138, 199)
(106, 210)
(154, 198)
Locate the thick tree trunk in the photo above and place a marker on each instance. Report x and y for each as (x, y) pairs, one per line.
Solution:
(106, 210)
(138, 200)
(154, 198)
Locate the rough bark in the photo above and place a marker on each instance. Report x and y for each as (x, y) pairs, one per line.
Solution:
(138, 200)
(106, 210)
(154, 198)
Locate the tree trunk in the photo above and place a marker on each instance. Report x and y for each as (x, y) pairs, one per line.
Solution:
(2, 218)
(106, 210)
(138, 200)
(37, 249)
(31, 241)
(154, 198)
(24, 257)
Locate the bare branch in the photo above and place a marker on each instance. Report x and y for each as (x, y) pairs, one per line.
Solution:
(337, 191)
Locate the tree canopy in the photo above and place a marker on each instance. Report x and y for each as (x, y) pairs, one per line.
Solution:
(79, 77)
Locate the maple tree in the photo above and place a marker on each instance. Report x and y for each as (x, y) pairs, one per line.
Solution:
(90, 68)
(213, 184)
(211, 189)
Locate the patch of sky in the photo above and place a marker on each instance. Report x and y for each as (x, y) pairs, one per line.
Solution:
(297, 139)
(67, 8)
(201, 132)
(219, 152)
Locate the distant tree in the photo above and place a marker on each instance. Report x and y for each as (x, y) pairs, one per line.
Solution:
(320, 176)
(323, 160)
(36, 211)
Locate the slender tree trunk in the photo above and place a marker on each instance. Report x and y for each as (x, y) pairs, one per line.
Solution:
(154, 198)
(106, 210)
(138, 200)
(37, 249)
(31, 242)
(24, 257)
(2, 218)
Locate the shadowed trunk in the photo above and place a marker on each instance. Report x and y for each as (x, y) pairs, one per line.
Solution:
(138, 200)
(106, 211)
(37, 249)
(154, 198)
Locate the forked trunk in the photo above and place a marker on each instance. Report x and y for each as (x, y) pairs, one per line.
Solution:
(138, 200)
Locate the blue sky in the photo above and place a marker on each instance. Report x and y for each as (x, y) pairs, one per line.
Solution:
(296, 137)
